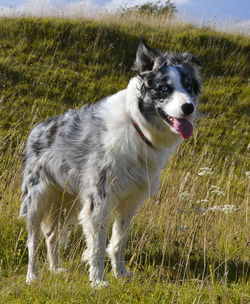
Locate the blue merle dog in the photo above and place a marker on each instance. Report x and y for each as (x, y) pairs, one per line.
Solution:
(106, 158)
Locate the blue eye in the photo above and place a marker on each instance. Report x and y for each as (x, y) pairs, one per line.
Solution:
(164, 88)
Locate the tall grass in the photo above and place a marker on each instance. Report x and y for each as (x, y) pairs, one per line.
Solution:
(189, 243)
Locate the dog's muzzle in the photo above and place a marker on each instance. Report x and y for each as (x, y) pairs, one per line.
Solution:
(180, 125)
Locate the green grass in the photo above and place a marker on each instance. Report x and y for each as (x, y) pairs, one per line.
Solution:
(185, 245)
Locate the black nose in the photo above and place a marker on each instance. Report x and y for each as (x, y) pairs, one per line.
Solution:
(187, 108)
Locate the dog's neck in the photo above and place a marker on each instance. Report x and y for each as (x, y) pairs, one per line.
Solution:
(138, 129)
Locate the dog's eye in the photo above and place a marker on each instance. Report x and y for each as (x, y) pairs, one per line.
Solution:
(164, 88)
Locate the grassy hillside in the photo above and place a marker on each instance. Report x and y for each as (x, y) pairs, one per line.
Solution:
(189, 244)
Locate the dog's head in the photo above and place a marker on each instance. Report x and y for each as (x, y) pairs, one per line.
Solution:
(170, 86)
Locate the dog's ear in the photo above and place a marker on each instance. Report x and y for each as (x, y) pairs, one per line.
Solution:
(188, 57)
(194, 73)
(146, 58)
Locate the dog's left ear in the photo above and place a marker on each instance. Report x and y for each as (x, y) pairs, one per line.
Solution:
(147, 58)
(188, 57)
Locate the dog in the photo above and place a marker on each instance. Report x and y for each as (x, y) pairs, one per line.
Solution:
(107, 157)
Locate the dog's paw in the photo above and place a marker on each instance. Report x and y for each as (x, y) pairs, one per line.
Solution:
(32, 277)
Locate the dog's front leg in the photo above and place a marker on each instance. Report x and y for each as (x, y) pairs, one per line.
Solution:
(94, 219)
(116, 248)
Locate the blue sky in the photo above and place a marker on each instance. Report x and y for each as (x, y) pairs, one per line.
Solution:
(237, 10)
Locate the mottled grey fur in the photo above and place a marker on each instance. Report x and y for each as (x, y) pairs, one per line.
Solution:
(92, 161)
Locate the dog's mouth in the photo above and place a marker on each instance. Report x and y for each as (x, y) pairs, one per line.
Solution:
(181, 125)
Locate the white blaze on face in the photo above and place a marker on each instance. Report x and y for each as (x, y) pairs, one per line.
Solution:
(175, 117)
(179, 95)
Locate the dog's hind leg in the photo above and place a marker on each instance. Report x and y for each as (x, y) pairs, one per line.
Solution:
(94, 219)
(33, 225)
(34, 207)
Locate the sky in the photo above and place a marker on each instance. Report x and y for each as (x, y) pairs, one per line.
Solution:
(235, 10)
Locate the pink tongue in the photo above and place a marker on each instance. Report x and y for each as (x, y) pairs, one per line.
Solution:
(183, 126)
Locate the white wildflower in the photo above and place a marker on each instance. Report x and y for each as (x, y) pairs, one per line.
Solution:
(215, 208)
(229, 209)
(226, 209)
(205, 171)
(247, 174)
